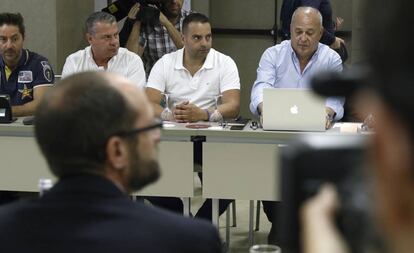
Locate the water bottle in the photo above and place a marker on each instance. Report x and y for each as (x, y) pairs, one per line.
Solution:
(44, 185)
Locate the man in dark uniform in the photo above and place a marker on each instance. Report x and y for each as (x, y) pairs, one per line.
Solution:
(24, 75)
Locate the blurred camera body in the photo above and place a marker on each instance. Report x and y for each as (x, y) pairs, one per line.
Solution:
(317, 159)
(149, 11)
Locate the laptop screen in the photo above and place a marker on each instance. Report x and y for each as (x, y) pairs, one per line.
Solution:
(293, 110)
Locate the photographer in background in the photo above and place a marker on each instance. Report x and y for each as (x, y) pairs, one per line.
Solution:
(149, 39)
(391, 86)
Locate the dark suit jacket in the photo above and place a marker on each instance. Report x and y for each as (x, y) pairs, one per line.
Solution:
(90, 214)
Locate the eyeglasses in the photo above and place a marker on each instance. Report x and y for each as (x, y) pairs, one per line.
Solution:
(156, 125)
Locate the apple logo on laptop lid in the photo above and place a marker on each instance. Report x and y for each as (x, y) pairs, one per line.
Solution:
(294, 109)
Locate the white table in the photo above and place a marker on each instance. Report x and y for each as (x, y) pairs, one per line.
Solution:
(236, 164)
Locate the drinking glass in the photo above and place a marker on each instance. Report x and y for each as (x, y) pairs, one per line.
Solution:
(166, 114)
(265, 248)
(216, 115)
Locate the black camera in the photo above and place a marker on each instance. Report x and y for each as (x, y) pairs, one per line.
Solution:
(317, 159)
(5, 109)
(149, 10)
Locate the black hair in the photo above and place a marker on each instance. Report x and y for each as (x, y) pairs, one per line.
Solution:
(13, 19)
(194, 17)
(75, 120)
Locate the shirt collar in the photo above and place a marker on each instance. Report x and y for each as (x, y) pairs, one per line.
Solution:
(89, 53)
(90, 56)
(208, 63)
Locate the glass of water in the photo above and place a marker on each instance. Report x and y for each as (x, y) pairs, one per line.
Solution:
(166, 114)
(265, 248)
(216, 115)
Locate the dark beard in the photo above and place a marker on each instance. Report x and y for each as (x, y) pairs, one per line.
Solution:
(142, 172)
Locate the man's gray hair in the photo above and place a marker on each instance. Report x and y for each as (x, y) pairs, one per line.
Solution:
(96, 17)
(307, 9)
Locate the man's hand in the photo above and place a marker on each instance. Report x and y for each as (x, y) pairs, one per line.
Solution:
(337, 43)
(338, 23)
(187, 112)
(330, 115)
(320, 234)
(132, 14)
(323, 205)
(260, 109)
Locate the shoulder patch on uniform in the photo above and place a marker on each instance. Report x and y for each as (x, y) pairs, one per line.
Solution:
(47, 70)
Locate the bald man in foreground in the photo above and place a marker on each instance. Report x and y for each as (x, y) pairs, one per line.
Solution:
(101, 148)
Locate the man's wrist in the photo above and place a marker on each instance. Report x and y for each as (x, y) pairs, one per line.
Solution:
(330, 112)
(131, 20)
(207, 113)
(260, 108)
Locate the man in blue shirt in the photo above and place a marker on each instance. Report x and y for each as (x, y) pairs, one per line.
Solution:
(24, 75)
(325, 8)
(291, 64)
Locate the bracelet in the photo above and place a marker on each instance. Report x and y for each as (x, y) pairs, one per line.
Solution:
(208, 114)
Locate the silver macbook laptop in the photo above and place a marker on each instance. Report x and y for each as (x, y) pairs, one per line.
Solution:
(293, 110)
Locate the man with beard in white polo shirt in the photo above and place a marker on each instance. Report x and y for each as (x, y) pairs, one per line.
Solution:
(193, 77)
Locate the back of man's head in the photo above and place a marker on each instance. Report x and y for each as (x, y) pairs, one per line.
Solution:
(96, 17)
(75, 120)
(15, 19)
(391, 55)
(194, 17)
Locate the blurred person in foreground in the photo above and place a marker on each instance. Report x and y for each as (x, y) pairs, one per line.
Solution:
(391, 89)
(101, 148)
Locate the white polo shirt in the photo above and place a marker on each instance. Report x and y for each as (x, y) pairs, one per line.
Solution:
(218, 74)
(125, 63)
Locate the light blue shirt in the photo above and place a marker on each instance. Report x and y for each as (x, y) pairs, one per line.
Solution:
(279, 68)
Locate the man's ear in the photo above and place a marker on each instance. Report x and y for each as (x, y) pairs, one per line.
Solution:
(117, 153)
(321, 32)
(88, 37)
